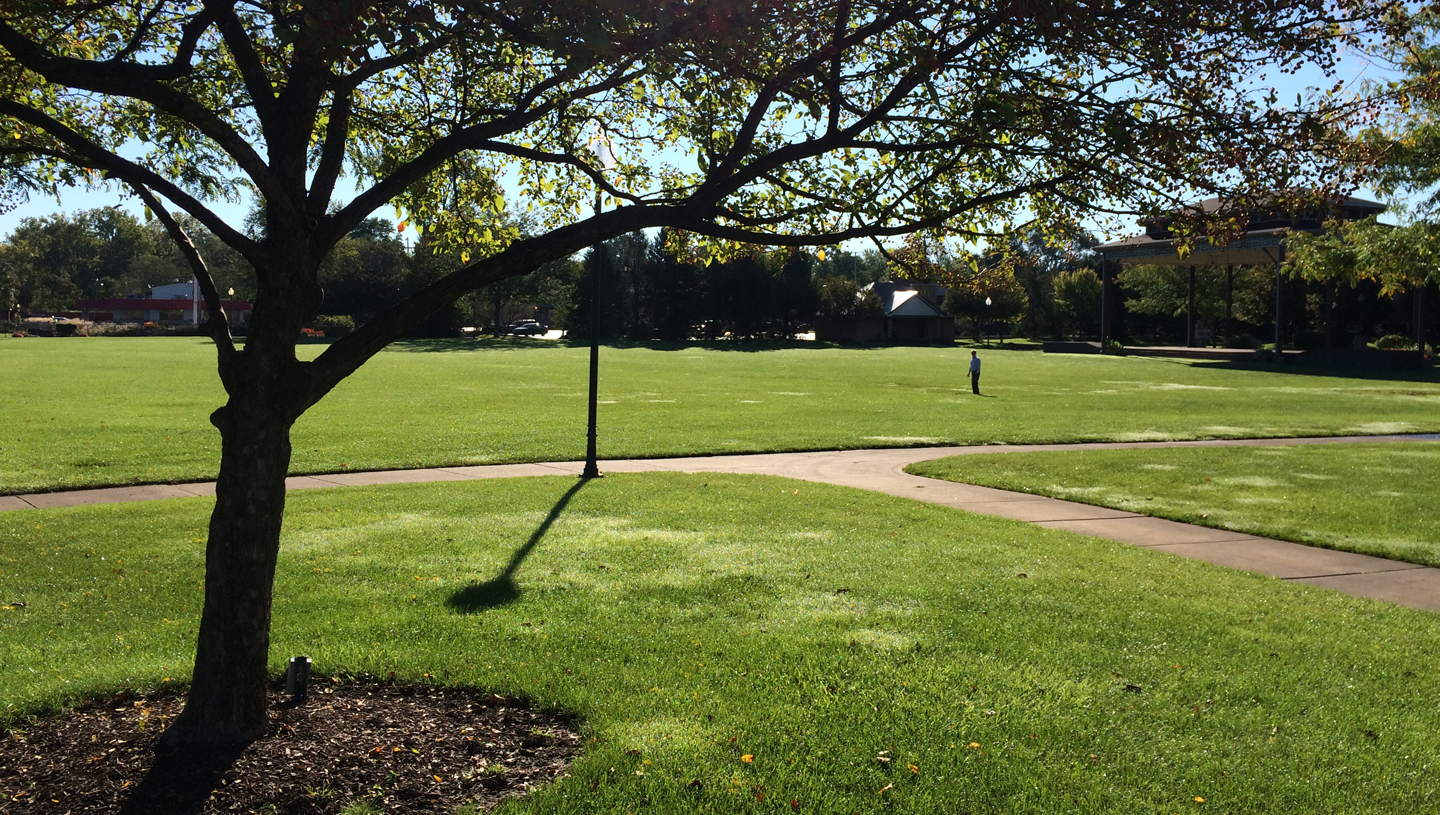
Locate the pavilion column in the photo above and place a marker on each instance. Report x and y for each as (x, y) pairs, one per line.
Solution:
(1104, 297)
(1229, 302)
(1279, 305)
(1190, 308)
(1329, 306)
(1419, 316)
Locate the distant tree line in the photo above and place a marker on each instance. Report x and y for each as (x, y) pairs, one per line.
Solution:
(651, 291)
(1061, 289)
(46, 264)
(648, 291)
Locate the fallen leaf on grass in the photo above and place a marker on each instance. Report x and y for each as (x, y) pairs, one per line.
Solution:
(748, 758)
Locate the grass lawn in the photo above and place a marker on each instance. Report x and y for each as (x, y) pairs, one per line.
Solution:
(696, 620)
(1378, 499)
(101, 411)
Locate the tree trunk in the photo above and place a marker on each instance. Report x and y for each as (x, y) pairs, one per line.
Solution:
(226, 702)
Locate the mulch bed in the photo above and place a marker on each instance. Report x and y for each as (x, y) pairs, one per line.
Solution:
(403, 748)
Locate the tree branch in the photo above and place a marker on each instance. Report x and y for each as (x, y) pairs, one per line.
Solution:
(842, 21)
(216, 321)
(520, 258)
(252, 70)
(121, 80)
(332, 155)
(132, 173)
(448, 147)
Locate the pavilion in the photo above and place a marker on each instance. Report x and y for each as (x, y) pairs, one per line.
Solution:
(1262, 243)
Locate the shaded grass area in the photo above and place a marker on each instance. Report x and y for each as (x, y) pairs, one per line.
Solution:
(695, 621)
(106, 411)
(1377, 499)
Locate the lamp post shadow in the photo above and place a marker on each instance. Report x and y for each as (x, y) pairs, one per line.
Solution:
(502, 589)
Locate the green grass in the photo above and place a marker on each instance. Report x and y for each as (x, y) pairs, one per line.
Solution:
(1378, 499)
(102, 411)
(699, 619)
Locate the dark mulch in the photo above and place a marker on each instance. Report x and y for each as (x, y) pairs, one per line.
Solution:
(410, 748)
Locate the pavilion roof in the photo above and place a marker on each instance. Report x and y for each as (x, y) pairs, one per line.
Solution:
(1258, 245)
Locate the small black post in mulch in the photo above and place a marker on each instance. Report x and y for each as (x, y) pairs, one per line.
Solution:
(297, 679)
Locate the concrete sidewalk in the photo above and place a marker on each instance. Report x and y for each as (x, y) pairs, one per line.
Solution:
(883, 471)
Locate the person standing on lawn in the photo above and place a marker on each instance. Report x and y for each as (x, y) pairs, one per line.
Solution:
(975, 373)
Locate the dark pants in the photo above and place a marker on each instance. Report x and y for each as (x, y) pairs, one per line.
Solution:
(974, 381)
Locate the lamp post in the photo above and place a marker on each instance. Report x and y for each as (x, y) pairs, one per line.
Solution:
(605, 158)
(592, 469)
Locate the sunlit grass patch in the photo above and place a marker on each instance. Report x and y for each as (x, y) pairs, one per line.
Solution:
(115, 417)
(1373, 498)
(694, 621)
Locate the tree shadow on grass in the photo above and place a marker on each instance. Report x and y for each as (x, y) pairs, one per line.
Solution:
(1303, 369)
(478, 344)
(181, 781)
(502, 589)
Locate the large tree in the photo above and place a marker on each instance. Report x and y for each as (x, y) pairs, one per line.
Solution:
(784, 123)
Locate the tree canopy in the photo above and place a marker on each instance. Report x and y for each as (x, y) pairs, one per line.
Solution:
(1409, 139)
(783, 123)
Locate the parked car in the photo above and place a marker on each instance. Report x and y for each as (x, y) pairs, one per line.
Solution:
(525, 328)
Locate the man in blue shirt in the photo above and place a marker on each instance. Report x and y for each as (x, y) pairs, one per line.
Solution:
(974, 373)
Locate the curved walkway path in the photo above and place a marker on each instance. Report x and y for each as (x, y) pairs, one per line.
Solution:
(883, 471)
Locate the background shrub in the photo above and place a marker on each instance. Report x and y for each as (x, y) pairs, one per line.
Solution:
(1395, 342)
(335, 325)
(1308, 340)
